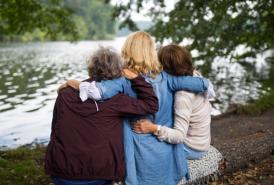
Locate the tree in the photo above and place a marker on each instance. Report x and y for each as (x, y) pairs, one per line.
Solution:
(214, 27)
(97, 17)
(28, 20)
(50, 16)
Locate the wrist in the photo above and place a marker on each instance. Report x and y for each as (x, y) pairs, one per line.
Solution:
(134, 77)
(155, 130)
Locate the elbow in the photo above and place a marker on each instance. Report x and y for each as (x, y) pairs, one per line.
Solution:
(205, 84)
(155, 109)
(180, 140)
(155, 106)
(177, 137)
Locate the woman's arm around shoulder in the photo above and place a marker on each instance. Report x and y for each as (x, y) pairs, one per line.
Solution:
(187, 83)
(146, 102)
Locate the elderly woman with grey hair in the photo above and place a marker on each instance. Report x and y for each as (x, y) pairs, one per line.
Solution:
(86, 143)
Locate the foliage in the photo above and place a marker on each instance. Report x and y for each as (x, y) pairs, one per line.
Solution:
(266, 101)
(96, 17)
(215, 28)
(23, 166)
(39, 20)
(49, 16)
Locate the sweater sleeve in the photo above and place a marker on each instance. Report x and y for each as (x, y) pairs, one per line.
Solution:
(146, 102)
(182, 112)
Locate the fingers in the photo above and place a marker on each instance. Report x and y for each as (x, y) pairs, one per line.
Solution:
(137, 128)
(138, 131)
(125, 72)
(61, 87)
(129, 74)
(143, 126)
(141, 121)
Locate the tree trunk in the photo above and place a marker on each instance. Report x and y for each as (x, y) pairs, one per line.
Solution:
(243, 139)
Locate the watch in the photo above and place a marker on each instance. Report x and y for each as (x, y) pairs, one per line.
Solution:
(157, 132)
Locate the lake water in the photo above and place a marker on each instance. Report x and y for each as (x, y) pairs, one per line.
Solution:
(31, 73)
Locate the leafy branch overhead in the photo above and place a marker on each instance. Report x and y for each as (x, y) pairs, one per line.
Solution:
(18, 17)
(32, 20)
(215, 28)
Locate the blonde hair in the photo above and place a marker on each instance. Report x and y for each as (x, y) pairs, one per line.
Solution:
(140, 55)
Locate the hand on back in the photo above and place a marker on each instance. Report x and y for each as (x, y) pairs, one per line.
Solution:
(144, 126)
(72, 83)
(127, 73)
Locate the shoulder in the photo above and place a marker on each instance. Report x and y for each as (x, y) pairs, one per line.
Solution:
(67, 91)
(184, 94)
(118, 81)
(69, 94)
(121, 80)
(157, 79)
(165, 75)
(183, 101)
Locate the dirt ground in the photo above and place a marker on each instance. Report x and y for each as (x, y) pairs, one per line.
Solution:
(233, 127)
(247, 144)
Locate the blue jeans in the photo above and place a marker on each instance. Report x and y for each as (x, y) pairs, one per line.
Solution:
(192, 154)
(60, 181)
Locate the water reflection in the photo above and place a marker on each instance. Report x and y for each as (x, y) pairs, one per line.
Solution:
(31, 73)
(30, 76)
(233, 84)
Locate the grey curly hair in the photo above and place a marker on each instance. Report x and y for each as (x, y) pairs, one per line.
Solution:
(105, 64)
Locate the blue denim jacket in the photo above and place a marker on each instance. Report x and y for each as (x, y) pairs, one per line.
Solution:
(148, 160)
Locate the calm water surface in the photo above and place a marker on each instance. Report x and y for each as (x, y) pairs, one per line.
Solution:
(31, 73)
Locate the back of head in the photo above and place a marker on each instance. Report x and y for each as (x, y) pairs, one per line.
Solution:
(105, 64)
(176, 60)
(139, 54)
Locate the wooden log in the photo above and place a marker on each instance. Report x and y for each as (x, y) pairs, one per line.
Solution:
(243, 140)
(240, 153)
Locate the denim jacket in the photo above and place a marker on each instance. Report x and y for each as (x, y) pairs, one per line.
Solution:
(148, 160)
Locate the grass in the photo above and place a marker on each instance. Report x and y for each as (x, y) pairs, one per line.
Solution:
(257, 107)
(23, 166)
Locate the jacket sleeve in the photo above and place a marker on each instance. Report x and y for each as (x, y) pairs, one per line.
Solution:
(187, 83)
(56, 114)
(146, 102)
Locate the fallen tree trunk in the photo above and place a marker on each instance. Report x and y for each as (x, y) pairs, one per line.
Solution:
(251, 149)
(242, 139)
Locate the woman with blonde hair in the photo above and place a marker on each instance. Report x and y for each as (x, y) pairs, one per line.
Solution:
(192, 112)
(148, 160)
(139, 54)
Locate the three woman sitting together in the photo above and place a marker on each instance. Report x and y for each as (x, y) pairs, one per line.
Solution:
(129, 128)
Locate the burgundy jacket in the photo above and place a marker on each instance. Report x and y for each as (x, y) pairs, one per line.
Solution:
(86, 142)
